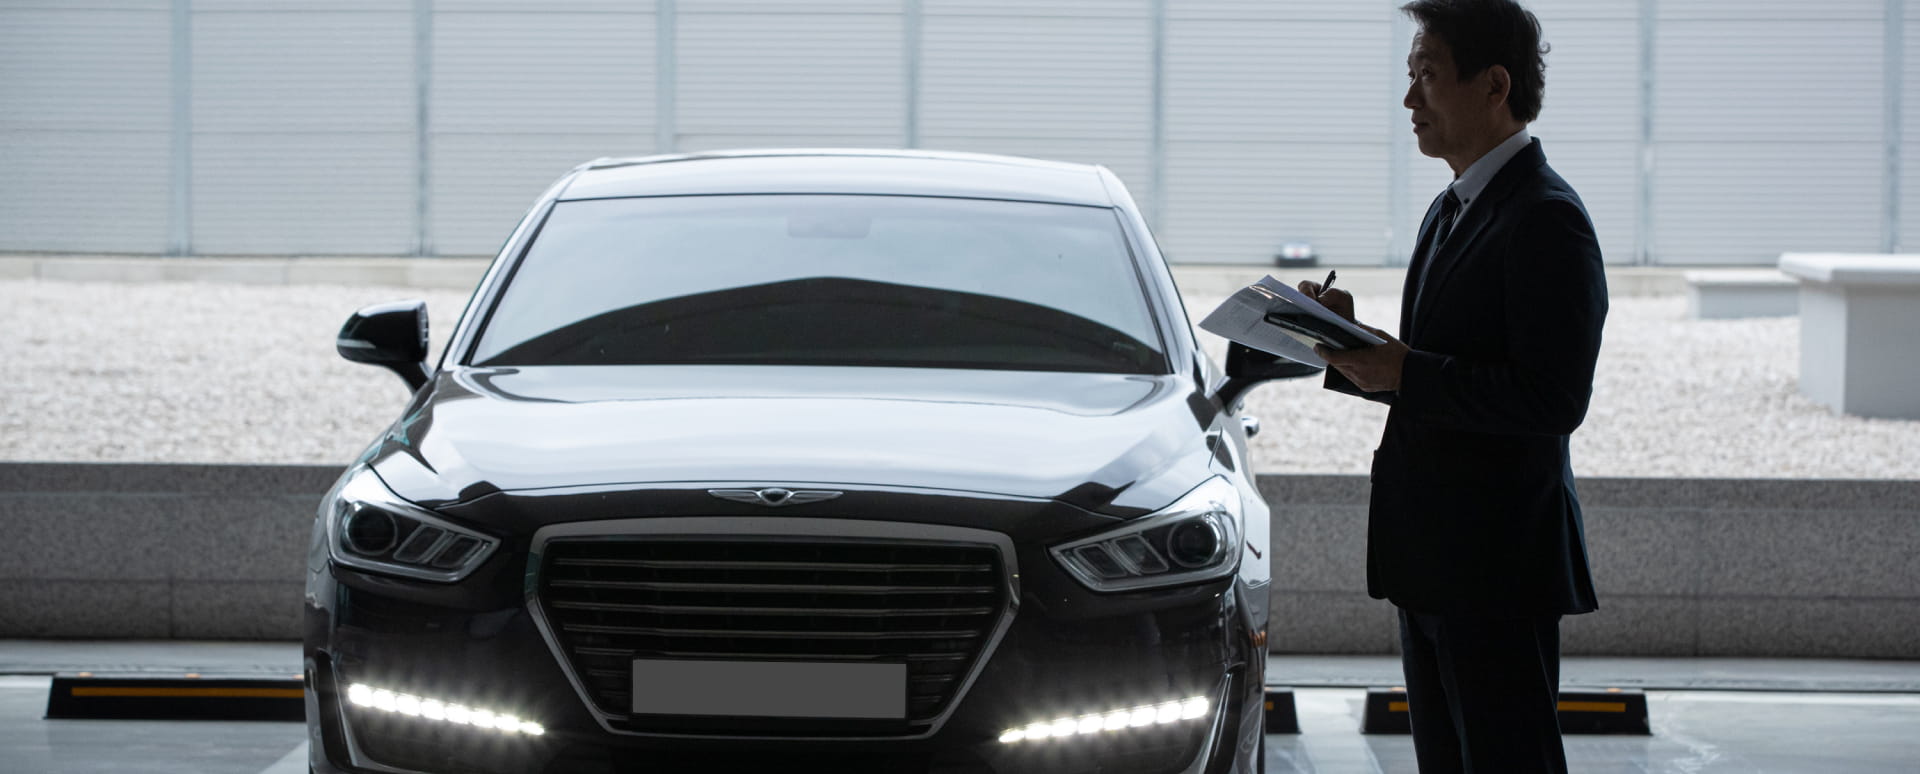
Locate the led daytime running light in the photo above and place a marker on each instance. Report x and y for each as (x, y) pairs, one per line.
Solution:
(1143, 716)
(433, 709)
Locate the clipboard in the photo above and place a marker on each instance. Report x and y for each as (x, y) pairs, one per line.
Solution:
(1271, 316)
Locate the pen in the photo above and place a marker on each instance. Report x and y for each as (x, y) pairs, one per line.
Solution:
(1328, 285)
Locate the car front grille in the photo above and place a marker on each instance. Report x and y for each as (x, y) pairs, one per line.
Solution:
(931, 607)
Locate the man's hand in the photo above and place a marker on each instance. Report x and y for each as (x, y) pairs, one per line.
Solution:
(1374, 369)
(1334, 299)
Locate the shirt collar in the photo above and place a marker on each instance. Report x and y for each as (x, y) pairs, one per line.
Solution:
(1470, 183)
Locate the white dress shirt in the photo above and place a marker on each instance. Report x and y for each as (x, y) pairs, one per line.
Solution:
(1469, 185)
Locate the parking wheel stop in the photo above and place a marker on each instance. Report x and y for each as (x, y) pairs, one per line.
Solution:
(185, 696)
(1582, 711)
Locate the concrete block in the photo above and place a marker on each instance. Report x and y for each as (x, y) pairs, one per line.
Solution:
(1287, 491)
(244, 610)
(1330, 622)
(1859, 316)
(103, 269)
(251, 538)
(1818, 628)
(1633, 551)
(1745, 494)
(450, 273)
(80, 608)
(133, 478)
(1319, 547)
(93, 537)
(347, 271)
(1735, 293)
(1633, 625)
(14, 268)
(1640, 281)
(1801, 554)
(239, 271)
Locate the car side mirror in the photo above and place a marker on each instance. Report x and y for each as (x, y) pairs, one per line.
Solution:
(392, 336)
(1247, 367)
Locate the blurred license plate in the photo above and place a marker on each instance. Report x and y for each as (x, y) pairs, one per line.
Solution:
(783, 689)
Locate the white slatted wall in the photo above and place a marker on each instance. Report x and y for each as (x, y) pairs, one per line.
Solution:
(85, 126)
(521, 91)
(765, 73)
(304, 125)
(1909, 161)
(1768, 129)
(1069, 80)
(1278, 122)
(1590, 121)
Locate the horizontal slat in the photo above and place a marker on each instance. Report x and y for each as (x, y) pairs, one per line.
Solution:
(304, 72)
(84, 70)
(1772, 81)
(850, 612)
(769, 634)
(934, 656)
(1783, 10)
(825, 566)
(622, 674)
(767, 588)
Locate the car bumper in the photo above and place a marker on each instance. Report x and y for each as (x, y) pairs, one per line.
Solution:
(1139, 650)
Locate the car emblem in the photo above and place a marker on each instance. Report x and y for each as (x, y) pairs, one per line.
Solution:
(774, 497)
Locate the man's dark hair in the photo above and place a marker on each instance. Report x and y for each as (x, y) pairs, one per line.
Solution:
(1484, 33)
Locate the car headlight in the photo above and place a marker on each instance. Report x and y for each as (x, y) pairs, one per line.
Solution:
(370, 528)
(1197, 538)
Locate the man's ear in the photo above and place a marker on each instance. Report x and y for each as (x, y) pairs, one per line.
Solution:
(1499, 84)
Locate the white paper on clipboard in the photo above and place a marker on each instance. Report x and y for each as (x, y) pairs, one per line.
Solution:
(1272, 316)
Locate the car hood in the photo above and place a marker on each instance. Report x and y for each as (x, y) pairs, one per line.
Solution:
(1080, 438)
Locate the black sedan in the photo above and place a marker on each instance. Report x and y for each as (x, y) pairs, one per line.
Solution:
(849, 460)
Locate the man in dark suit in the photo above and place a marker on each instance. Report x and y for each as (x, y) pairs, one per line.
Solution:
(1474, 529)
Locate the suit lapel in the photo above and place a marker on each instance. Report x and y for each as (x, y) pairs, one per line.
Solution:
(1421, 248)
(1454, 250)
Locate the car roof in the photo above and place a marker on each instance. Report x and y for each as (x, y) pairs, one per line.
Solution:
(842, 171)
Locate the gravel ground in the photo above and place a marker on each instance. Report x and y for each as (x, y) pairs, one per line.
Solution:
(175, 372)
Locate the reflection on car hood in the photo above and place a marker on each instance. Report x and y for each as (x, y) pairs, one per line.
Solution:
(1010, 433)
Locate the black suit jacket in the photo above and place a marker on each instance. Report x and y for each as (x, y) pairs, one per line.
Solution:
(1473, 508)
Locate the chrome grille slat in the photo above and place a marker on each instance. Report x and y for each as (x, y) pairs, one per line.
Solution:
(768, 588)
(931, 607)
(894, 612)
(799, 634)
(630, 653)
(621, 674)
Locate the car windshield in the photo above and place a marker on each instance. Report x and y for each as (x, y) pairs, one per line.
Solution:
(826, 280)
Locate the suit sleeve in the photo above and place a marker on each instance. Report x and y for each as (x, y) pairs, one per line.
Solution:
(1338, 382)
(1556, 302)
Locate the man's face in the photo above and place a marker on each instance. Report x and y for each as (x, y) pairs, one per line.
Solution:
(1451, 117)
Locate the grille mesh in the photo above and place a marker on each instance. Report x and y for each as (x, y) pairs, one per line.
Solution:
(931, 607)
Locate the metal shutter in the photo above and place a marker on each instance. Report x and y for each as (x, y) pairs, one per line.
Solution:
(1425, 177)
(1908, 230)
(1070, 81)
(520, 93)
(1768, 130)
(749, 76)
(1590, 122)
(1278, 120)
(85, 127)
(304, 135)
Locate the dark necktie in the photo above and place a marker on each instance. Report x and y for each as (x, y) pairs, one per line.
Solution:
(1442, 226)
